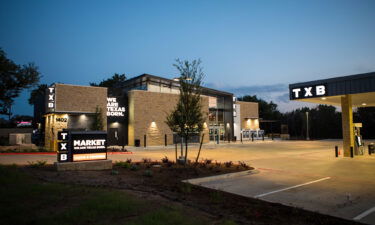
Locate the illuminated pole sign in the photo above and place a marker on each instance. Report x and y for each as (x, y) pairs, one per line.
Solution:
(308, 92)
(81, 146)
(113, 108)
(51, 99)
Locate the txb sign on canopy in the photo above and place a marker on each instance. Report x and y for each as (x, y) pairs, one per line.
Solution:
(81, 146)
(308, 92)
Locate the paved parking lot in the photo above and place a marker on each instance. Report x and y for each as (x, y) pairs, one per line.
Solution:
(304, 174)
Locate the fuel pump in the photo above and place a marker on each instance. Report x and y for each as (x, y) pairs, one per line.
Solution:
(358, 145)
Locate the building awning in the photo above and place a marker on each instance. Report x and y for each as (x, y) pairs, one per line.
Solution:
(361, 87)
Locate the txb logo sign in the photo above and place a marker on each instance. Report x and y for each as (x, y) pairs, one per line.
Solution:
(309, 92)
(77, 146)
(51, 98)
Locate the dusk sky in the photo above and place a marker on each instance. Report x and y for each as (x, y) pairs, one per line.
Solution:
(246, 47)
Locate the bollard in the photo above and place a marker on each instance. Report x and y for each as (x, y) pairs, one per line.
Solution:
(263, 136)
(165, 140)
(217, 139)
(337, 151)
(272, 136)
(228, 138)
(351, 151)
(241, 138)
(252, 136)
(144, 140)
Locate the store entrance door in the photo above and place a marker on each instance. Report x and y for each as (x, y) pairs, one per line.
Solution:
(216, 133)
(113, 138)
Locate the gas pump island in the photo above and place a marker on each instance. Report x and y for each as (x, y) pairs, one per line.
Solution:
(347, 92)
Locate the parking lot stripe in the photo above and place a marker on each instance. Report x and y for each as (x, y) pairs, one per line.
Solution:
(364, 214)
(288, 188)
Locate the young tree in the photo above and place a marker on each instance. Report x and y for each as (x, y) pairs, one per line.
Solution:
(98, 120)
(13, 79)
(187, 118)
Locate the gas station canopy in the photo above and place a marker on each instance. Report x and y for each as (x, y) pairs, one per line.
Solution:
(361, 87)
(347, 92)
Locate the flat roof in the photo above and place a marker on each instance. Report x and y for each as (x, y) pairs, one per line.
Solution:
(148, 77)
(329, 91)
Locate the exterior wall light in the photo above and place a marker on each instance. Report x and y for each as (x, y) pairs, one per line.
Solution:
(324, 98)
(153, 124)
(364, 104)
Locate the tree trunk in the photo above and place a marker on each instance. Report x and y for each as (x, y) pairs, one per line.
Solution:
(199, 151)
(186, 148)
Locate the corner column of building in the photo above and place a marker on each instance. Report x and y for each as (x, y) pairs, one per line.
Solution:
(347, 124)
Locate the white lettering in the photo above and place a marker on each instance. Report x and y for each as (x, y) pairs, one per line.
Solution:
(64, 135)
(98, 142)
(308, 91)
(50, 105)
(63, 146)
(320, 90)
(63, 157)
(50, 97)
(296, 92)
(51, 89)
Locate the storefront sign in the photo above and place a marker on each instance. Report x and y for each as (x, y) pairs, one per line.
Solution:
(309, 92)
(61, 120)
(114, 109)
(51, 98)
(77, 146)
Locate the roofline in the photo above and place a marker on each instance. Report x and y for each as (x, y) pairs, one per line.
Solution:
(76, 85)
(334, 79)
(176, 82)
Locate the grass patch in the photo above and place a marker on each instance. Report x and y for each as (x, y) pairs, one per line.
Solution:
(25, 200)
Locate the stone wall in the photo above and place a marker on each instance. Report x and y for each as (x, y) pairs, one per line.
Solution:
(249, 115)
(73, 99)
(52, 127)
(147, 116)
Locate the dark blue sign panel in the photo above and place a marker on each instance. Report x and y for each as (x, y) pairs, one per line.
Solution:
(75, 146)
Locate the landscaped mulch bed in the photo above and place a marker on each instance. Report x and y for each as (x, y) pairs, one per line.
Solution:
(164, 179)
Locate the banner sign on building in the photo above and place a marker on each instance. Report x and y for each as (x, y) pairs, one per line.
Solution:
(308, 92)
(77, 146)
(114, 109)
(51, 99)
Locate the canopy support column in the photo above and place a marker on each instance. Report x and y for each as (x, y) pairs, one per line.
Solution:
(347, 124)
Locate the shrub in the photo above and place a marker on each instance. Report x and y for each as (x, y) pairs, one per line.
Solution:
(122, 164)
(129, 160)
(146, 160)
(147, 173)
(165, 159)
(228, 164)
(37, 164)
(134, 168)
(243, 164)
(114, 172)
(207, 161)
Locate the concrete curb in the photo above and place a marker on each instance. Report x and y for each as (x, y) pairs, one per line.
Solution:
(199, 181)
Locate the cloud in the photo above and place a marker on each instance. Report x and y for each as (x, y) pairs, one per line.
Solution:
(283, 98)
